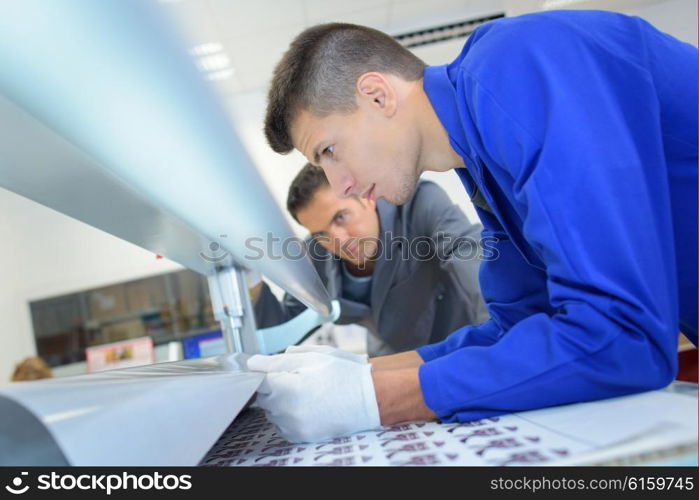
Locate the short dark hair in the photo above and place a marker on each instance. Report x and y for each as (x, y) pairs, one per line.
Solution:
(304, 186)
(319, 71)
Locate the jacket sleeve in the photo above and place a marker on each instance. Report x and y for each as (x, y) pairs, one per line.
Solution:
(269, 311)
(456, 243)
(573, 138)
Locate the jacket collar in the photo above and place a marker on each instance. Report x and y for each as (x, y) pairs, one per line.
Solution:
(441, 92)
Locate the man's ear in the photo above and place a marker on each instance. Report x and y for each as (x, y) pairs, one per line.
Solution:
(376, 90)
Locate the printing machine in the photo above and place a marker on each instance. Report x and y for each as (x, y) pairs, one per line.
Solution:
(106, 118)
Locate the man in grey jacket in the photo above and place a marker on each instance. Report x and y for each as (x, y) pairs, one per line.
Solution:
(409, 273)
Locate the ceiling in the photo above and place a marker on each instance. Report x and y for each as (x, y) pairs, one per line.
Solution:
(240, 41)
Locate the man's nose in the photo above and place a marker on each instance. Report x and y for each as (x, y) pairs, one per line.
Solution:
(338, 235)
(341, 181)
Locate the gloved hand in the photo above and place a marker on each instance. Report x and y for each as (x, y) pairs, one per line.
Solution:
(331, 351)
(312, 396)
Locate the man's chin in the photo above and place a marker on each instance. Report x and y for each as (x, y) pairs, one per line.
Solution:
(397, 199)
(403, 191)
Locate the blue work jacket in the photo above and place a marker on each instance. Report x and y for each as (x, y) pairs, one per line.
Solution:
(578, 130)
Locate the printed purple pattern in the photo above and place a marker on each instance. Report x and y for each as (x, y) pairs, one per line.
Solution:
(251, 440)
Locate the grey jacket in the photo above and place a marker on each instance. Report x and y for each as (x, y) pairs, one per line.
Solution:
(425, 280)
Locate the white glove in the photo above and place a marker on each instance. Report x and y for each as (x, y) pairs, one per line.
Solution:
(311, 396)
(329, 350)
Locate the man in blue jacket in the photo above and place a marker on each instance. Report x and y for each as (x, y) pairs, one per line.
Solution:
(575, 133)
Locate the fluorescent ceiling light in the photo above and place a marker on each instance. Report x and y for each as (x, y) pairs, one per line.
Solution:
(214, 62)
(554, 4)
(206, 49)
(220, 75)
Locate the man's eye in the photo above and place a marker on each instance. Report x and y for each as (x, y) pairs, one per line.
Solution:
(329, 150)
